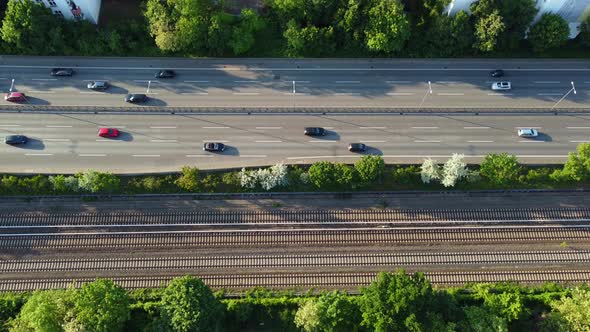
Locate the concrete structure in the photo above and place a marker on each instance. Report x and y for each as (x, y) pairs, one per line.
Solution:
(75, 9)
(573, 11)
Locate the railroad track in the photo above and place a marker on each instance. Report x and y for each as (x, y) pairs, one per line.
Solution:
(294, 216)
(351, 281)
(295, 261)
(295, 237)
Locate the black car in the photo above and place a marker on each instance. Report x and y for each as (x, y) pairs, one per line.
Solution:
(165, 74)
(135, 98)
(214, 147)
(62, 72)
(357, 147)
(314, 131)
(15, 139)
(497, 73)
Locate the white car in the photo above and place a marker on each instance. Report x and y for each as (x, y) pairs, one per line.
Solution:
(501, 85)
(528, 132)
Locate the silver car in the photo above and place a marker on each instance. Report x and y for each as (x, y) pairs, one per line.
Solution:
(527, 132)
(504, 85)
(98, 85)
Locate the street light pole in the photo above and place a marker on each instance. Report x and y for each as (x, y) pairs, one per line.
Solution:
(148, 88)
(11, 85)
(429, 91)
(570, 91)
(293, 100)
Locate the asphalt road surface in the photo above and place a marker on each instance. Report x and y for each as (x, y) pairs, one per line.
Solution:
(302, 83)
(152, 143)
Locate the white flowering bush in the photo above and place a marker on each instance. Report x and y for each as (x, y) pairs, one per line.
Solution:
(62, 184)
(430, 171)
(454, 170)
(267, 178)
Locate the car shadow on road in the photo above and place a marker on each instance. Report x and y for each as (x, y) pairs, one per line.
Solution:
(32, 144)
(229, 151)
(125, 136)
(544, 138)
(371, 151)
(330, 135)
(35, 101)
(154, 102)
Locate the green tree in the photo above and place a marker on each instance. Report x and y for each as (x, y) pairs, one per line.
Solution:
(331, 312)
(584, 36)
(488, 30)
(188, 305)
(219, 33)
(517, 16)
(397, 302)
(500, 169)
(102, 305)
(44, 311)
(388, 28)
(326, 175)
(577, 166)
(309, 41)
(551, 31)
(370, 169)
(179, 25)
(505, 301)
(483, 319)
(570, 313)
(98, 182)
(189, 179)
(243, 34)
(27, 26)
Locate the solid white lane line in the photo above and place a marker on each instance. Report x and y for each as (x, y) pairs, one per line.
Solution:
(38, 154)
(90, 92)
(247, 81)
(92, 155)
(108, 140)
(163, 141)
(253, 156)
(476, 127)
(480, 141)
(579, 141)
(268, 141)
(44, 79)
(400, 94)
(199, 156)
(56, 140)
(214, 140)
(347, 82)
(528, 127)
(57, 126)
(446, 82)
(531, 141)
(246, 93)
(422, 156)
(196, 81)
(425, 141)
(546, 82)
(373, 141)
(424, 127)
(298, 81)
(145, 81)
(269, 127)
(450, 94)
(323, 141)
(372, 127)
(578, 127)
(500, 94)
(9, 125)
(398, 82)
(295, 94)
(145, 155)
(195, 93)
(36, 91)
(328, 127)
(161, 127)
(347, 94)
(550, 94)
(215, 127)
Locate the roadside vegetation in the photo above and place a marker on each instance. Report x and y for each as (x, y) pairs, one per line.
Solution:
(369, 173)
(299, 28)
(392, 302)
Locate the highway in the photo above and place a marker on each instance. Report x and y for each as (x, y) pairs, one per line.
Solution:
(154, 143)
(292, 83)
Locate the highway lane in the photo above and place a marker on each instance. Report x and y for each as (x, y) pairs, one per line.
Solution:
(302, 83)
(68, 142)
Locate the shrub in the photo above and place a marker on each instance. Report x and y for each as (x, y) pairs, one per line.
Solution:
(500, 169)
(98, 182)
(189, 179)
(35, 185)
(370, 169)
(210, 182)
(430, 170)
(266, 178)
(405, 175)
(454, 170)
(64, 184)
(102, 305)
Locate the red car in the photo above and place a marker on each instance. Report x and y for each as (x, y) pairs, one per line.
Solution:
(15, 97)
(108, 132)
